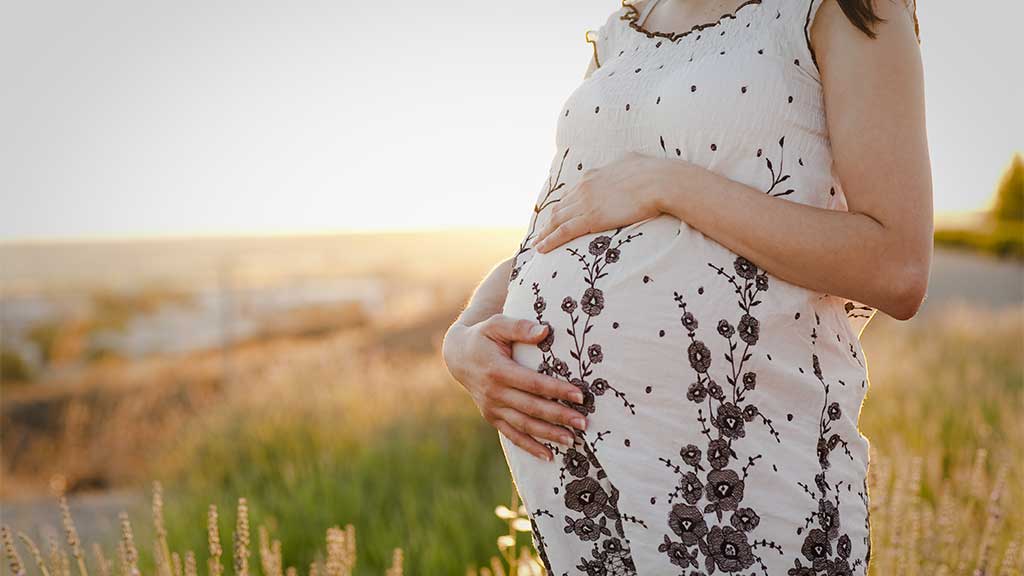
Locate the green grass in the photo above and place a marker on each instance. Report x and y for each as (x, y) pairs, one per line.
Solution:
(395, 448)
(1000, 238)
(408, 462)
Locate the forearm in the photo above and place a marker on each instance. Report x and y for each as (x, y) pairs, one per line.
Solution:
(488, 298)
(837, 252)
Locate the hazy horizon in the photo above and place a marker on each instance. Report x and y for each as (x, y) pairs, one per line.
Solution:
(125, 120)
(186, 236)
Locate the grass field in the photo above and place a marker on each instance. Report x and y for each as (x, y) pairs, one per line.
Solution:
(388, 443)
(943, 415)
(364, 427)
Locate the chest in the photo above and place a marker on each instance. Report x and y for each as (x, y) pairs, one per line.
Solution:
(732, 85)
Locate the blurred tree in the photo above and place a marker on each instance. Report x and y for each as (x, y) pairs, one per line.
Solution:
(13, 368)
(1009, 200)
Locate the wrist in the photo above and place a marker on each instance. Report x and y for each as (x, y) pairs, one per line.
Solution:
(675, 179)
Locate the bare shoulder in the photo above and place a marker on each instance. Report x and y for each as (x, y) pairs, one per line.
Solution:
(834, 36)
(875, 107)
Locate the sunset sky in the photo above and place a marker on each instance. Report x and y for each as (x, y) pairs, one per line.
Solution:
(128, 117)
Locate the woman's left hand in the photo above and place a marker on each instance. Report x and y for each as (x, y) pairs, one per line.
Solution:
(618, 194)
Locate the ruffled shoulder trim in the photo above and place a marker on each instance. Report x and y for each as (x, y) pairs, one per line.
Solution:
(604, 38)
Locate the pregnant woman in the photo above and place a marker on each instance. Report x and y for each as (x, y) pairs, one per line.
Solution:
(672, 354)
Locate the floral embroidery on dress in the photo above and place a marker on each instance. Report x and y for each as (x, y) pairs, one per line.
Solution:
(858, 310)
(591, 501)
(777, 177)
(826, 550)
(546, 201)
(719, 488)
(751, 473)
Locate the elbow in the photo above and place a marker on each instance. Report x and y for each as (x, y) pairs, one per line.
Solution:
(906, 291)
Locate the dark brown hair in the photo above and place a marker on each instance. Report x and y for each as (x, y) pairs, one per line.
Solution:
(861, 13)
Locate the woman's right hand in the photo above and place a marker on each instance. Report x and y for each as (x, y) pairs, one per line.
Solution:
(521, 403)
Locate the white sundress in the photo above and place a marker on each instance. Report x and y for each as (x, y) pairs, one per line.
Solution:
(722, 402)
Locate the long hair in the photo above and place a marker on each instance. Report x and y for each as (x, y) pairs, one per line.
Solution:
(861, 13)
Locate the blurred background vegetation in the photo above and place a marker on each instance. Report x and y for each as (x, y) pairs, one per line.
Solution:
(999, 229)
(304, 375)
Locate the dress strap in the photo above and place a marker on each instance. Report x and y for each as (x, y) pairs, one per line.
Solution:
(646, 12)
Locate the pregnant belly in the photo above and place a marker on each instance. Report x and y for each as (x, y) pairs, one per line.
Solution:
(640, 315)
(682, 347)
(639, 279)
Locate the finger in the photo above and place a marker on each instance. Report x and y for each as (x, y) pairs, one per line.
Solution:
(544, 230)
(508, 329)
(537, 429)
(556, 215)
(564, 210)
(572, 228)
(524, 441)
(530, 381)
(566, 207)
(542, 409)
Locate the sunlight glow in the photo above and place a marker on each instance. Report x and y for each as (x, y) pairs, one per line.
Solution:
(152, 119)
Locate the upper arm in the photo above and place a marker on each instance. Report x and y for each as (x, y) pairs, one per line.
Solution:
(875, 109)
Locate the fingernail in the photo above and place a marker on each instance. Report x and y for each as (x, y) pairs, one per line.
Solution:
(537, 330)
(579, 423)
(577, 397)
(545, 456)
(567, 440)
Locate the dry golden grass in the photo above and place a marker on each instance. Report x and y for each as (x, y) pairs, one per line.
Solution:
(943, 416)
(339, 559)
(73, 426)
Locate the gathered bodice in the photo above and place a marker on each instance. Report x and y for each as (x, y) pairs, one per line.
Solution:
(740, 96)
